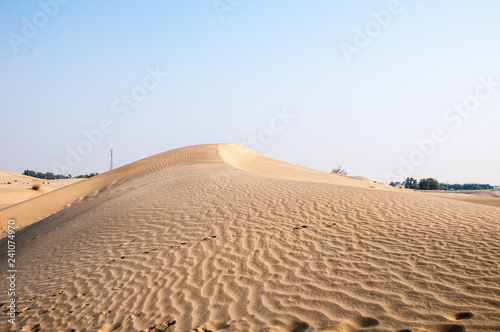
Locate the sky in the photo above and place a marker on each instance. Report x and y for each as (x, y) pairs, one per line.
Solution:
(385, 89)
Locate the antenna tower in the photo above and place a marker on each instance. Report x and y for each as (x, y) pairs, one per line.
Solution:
(111, 163)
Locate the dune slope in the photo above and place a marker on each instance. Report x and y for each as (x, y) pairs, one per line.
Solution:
(218, 238)
(16, 188)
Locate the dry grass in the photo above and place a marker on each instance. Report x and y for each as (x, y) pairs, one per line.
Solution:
(36, 186)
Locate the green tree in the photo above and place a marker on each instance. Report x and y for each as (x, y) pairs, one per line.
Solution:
(411, 183)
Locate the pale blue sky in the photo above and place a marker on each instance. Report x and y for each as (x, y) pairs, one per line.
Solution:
(226, 78)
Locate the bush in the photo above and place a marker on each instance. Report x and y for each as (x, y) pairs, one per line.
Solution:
(8, 183)
(339, 170)
(36, 186)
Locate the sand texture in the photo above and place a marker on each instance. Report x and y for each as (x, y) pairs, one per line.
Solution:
(16, 188)
(486, 197)
(214, 237)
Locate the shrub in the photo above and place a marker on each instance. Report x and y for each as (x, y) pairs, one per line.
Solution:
(8, 183)
(339, 170)
(36, 186)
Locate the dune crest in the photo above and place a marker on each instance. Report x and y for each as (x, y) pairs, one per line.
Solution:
(211, 237)
(246, 159)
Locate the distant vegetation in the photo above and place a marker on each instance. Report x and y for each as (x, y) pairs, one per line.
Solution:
(433, 184)
(467, 186)
(52, 176)
(339, 170)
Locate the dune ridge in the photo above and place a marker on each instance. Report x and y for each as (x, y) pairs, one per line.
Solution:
(213, 237)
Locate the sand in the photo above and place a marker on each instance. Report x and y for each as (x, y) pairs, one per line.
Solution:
(16, 188)
(486, 197)
(214, 237)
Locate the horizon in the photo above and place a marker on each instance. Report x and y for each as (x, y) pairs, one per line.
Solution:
(387, 90)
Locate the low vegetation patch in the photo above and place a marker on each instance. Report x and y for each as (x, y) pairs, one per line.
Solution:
(36, 186)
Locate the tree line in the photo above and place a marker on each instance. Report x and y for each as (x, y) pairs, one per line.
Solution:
(52, 176)
(433, 184)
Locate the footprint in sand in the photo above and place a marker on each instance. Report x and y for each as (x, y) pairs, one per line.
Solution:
(299, 227)
(49, 310)
(116, 259)
(448, 328)
(32, 328)
(353, 324)
(149, 251)
(296, 326)
(58, 293)
(69, 312)
(124, 244)
(161, 327)
(33, 299)
(331, 225)
(22, 311)
(178, 245)
(209, 238)
(461, 316)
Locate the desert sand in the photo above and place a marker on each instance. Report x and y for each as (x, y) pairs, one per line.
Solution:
(486, 197)
(217, 237)
(16, 188)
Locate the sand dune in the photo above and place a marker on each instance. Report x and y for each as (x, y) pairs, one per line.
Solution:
(214, 237)
(485, 197)
(16, 188)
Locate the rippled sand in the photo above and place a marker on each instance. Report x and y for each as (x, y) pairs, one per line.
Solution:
(215, 237)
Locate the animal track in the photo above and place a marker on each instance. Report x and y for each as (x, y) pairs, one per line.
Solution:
(462, 315)
(116, 259)
(161, 327)
(209, 238)
(299, 227)
(22, 311)
(178, 245)
(58, 293)
(149, 251)
(448, 328)
(32, 328)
